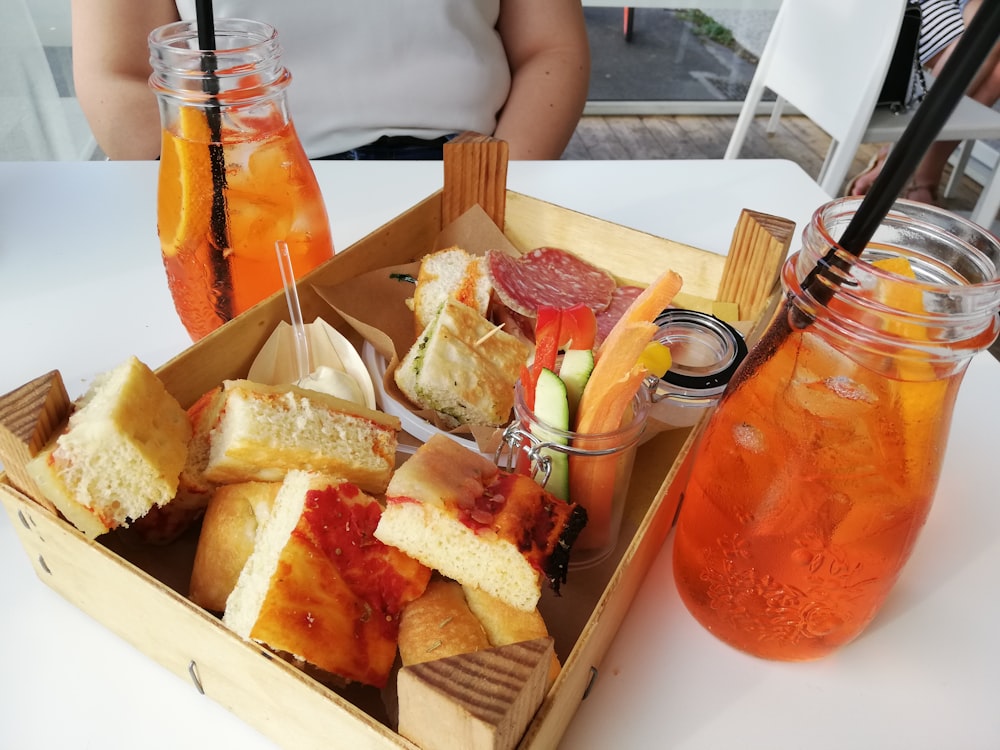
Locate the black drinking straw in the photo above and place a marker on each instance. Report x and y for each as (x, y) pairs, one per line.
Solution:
(219, 228)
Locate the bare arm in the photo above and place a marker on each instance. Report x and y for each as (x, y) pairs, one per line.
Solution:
(111, 72)
(549, 56)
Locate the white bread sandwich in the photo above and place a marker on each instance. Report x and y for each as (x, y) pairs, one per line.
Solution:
(120, 455)
(228, 533)
(454, 274)
(319, 589)
(463, 367)
(262, 431)
(456, 512)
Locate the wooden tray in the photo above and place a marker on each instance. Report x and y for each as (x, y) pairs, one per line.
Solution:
(139, 593)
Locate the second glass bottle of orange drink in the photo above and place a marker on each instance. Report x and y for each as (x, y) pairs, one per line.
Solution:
(817, 471)
(234, 178)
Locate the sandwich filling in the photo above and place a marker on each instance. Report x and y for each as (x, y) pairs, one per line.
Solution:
(463, 367)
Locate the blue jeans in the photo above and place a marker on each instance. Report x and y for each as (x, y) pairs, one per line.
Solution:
(397, 147)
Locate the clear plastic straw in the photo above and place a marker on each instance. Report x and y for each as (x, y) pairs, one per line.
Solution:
(294, 309)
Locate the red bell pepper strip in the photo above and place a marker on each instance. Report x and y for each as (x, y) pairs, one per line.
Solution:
(577, 328)
(547, 326)
(546, 350)
(557, 330)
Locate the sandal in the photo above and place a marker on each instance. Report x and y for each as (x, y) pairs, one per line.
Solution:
(873, 168)
(921, 193)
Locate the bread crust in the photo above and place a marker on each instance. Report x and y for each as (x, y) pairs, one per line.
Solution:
(163, 524)
(121, 453)
(44, 472)
(318, 589)
(228, 532)
(463, 367)
(439, 624)
(456, 512)
(451, 619)
(505, 624)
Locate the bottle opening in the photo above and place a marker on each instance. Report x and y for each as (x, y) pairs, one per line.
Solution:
(705, 352)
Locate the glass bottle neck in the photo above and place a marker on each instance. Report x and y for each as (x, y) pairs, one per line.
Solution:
(928, 284)
(245, 67)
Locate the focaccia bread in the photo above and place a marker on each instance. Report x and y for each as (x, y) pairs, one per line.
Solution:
(505, 624)
(463, 367)
(449, 619)
(228, 532)
(163, 524)
(319, 588)
(120, 455)
(439, 624)
(456, 512)
(264, 431)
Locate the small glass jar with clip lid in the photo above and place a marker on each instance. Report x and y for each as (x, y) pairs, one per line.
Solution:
(705, 352)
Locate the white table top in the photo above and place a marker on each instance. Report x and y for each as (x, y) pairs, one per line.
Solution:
(83, 288)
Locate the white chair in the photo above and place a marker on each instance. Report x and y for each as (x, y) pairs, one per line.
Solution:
(828, 60)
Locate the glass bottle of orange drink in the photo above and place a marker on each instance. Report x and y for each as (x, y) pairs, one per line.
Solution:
(234, 178)
(817, 471)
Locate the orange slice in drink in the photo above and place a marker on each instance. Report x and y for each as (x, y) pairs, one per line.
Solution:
(908, 299)
(189, 161)
(898, 265)
(919, 391)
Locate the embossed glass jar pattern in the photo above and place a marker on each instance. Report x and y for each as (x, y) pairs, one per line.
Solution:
(234, 178)
(818, 469)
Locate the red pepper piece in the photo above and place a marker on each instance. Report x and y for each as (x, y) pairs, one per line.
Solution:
(577, 328)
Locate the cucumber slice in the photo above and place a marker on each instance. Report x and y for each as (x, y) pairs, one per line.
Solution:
(574, 371)
(552, 409)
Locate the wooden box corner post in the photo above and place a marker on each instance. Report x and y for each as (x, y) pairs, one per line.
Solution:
(482, 700)
(29, 417)
(475, 171)
(758, 248)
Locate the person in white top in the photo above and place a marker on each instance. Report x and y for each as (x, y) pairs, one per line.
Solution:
(374, 72)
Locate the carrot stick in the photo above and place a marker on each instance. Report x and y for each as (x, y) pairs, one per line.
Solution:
(593, 479)
(596, 409)
(650, 303)
(620, 351)
(605, 400)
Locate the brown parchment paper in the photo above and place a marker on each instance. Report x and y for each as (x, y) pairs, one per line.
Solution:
(374, 305)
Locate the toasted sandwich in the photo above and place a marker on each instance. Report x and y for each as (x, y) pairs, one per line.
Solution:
(463, 367)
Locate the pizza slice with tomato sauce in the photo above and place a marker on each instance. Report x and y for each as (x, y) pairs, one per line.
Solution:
(320, 588)
(456, 512)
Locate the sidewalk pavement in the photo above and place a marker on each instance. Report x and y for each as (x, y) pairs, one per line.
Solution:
(666, 60)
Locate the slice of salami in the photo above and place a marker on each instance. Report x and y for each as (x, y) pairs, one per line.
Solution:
(512, 322)
(548, 276)
(621, 298)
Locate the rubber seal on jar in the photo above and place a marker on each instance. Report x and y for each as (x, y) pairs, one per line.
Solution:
(717, 336)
